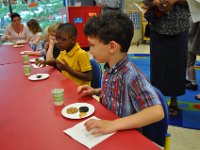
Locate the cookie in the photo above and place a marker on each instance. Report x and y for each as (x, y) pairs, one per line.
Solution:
(72, 110)
(83, 109)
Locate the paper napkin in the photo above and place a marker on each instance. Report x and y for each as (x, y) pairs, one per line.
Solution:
(35, 66)
(33, 60)
(80, 134)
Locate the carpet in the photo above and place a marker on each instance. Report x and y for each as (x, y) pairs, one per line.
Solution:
(189, 116)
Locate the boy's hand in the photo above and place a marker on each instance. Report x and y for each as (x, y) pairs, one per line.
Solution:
(40, 62)
(62, 65)
(52, 41)
(46, 46)
(86, 90)
(100, 126)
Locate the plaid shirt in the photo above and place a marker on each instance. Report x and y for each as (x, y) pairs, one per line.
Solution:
(125, 89)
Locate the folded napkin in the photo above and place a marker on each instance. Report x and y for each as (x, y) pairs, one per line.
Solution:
(7, 43)
(33, 60)
(80, 134)
(35, 66)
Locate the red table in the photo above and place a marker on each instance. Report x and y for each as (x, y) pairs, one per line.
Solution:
(30, 121)
(9, 54)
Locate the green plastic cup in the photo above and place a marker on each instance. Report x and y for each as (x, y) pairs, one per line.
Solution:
(27, 70)
(14, 43)
(58, 96)
(25, 59)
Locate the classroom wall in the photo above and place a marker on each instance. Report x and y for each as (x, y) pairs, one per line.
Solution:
(135, 14)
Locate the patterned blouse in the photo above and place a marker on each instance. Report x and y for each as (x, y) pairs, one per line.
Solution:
(176, 21)
(125, 89)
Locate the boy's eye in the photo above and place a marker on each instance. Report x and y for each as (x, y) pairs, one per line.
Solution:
(62, 39)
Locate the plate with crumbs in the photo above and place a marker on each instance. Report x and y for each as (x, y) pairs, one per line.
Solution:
(16, 46)
(38, 76)
(78, 110)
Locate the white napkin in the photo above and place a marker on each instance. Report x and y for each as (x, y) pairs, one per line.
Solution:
(35, 66)
(23, 52)
(7, 43)
(80, 134)
(33, 60)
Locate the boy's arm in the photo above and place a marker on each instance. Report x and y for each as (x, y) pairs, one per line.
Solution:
(40, 62)
(49, 53)
(37, 39)
(143, 118)
(6, 36)
(87, 76)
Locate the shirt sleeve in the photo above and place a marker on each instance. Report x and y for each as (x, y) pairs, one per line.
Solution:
(142, 93)
(6, 32)
(84, 62)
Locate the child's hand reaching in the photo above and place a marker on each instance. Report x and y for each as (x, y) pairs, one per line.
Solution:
(100, 126)
(40, 62)
(86, 90)
(52, 41)
(62, 65)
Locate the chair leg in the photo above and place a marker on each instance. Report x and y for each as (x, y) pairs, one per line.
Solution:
(167, 141)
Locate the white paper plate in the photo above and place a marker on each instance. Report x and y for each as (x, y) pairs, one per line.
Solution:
(21, 41)
(33, 60)
(23, 52)
(16, 46)
(38, 76)
(7, 43)
(76, 115)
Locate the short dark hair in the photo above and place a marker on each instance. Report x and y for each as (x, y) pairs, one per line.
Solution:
(114, 26)
(13, 15)
(69, 28)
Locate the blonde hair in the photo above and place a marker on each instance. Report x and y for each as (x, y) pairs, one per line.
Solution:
(53, 27)
(49, 29)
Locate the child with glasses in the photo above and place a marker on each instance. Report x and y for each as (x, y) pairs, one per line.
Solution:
(72, 61)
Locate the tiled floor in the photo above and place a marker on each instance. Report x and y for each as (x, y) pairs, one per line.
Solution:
(181, 138)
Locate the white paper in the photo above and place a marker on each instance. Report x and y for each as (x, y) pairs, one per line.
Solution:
(35, 66)
(33, 60)
(80, 134)
(24, 52)
(7, 43)
(194, 6)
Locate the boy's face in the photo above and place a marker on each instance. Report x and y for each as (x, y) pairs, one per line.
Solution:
(64, 41)
(98, 49)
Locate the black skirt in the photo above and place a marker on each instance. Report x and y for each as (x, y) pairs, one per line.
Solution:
(168, 60)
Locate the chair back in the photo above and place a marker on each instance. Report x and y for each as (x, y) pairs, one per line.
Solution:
(158, 131)
(96, 74)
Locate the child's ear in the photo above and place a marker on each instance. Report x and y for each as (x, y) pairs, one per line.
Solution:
(73, 39)
(113, 46)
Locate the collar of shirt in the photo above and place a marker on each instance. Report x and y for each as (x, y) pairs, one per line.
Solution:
(73, 50)
(117, 67)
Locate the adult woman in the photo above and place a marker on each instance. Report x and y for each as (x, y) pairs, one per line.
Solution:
(168, 48)
(16, 31)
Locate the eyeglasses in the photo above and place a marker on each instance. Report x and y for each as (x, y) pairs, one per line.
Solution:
(61, 39)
